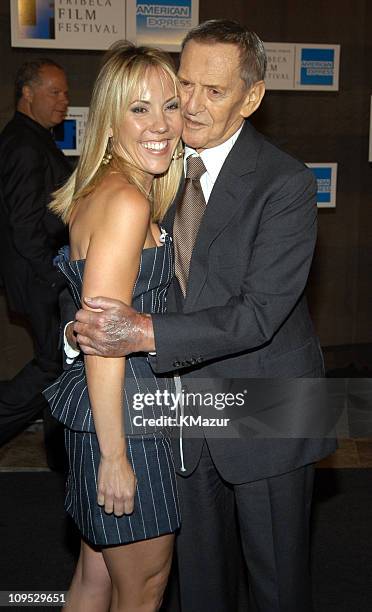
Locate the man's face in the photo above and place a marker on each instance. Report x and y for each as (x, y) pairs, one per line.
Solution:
(47, 99)
(214, 97)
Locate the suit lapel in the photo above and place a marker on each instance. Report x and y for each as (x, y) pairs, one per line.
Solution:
(230, 192)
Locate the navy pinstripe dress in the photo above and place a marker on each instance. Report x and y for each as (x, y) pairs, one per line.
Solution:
(156, 508)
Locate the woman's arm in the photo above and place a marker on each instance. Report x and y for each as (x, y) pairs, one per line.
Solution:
(111, 267)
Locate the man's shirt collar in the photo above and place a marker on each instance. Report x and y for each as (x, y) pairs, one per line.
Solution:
(215, 157)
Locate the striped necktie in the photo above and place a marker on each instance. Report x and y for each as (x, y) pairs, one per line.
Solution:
(189, 214)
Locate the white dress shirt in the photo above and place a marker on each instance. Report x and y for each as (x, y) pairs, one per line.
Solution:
(213, 160)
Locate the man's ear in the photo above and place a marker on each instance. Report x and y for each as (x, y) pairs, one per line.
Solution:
(27, 93)
(253, 99)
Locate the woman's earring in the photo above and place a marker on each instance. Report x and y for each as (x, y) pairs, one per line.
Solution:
(108, 155)
(177, 155)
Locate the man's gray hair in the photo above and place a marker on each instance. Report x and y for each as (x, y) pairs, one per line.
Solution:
(253, 59)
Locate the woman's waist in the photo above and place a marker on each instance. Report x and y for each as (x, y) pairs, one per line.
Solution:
(144, 395)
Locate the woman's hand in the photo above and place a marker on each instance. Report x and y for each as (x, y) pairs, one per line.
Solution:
(116, 485)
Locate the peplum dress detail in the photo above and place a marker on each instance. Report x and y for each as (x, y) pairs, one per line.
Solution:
(156, 506)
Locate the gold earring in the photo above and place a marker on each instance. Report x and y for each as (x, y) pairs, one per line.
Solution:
(178, 155)
(107, 155)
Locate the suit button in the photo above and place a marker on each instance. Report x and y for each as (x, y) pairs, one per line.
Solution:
(176, 364)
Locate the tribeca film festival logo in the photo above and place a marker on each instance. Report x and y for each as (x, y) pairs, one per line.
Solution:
(277, 67)
(317, 66)
(280, 65)
(175, 400)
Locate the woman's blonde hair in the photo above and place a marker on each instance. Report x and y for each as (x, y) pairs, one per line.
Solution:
(123, 74)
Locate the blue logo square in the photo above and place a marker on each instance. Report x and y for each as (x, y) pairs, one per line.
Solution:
(324, 181)
(317, 66)
(65, 134)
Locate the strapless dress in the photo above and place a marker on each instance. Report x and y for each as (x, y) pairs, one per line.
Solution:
(156, 508)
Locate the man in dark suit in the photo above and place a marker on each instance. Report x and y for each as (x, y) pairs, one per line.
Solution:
(31, 168)
(240, 314)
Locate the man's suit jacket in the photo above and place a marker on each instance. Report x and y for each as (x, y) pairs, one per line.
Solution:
(31, 168)
(245, 315)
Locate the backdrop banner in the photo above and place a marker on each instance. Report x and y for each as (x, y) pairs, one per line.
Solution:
(96, 24)
(302, 66)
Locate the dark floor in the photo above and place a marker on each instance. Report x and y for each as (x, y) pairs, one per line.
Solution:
(39, 544)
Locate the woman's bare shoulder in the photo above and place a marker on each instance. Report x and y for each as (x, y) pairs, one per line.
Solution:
(116, 198)
(114, 209)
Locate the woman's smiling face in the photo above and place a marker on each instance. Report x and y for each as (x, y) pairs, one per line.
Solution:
(152, 124)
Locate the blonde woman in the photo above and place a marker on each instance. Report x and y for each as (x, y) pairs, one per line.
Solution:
(121, 489)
